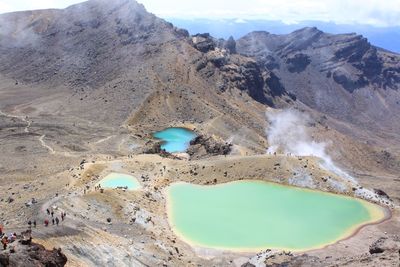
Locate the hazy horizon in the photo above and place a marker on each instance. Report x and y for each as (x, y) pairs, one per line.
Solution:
(357, 12)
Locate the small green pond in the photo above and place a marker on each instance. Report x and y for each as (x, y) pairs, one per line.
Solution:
(255, 215)
(120, 180)
(175, 139)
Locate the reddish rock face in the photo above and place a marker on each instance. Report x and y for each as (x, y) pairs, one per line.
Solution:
(22, 252)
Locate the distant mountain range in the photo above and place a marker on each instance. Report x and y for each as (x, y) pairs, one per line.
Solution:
(385, 37)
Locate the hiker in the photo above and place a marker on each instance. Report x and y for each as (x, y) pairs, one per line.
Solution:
(10, 238)
(13, 237)
(1, 230)
(34, 223)
(57, 221)
(52, 220)
(4, 241)
(48, 211)
(62, 216)
(46, 222)
(52, 213)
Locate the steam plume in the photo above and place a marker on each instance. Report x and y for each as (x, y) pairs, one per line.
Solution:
(288, 133)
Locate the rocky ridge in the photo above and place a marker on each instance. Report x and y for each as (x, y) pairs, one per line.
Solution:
(340, 75)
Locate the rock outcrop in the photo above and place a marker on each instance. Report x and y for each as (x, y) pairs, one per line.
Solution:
(203, 146)
(385, 244)
(24, 253)
(229, 70)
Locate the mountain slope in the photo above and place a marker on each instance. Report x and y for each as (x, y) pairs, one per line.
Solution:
(340, 75)
(114, 55)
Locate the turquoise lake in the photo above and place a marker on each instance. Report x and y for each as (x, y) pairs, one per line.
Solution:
(175, 139)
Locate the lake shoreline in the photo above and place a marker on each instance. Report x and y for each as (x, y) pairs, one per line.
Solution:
(378, 213)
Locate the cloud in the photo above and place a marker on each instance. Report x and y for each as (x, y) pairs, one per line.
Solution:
(372, 12)
(240, 21)
(19, 5)
(4, 7)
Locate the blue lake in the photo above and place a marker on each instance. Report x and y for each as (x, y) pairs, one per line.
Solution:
(175, 139)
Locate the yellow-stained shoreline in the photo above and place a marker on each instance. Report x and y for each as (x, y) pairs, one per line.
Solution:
(378, 215)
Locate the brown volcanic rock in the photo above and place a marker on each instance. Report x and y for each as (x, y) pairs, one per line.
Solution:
(203, 146)
(343, 75)
(27, 254)
(73, 45)
(229, 70)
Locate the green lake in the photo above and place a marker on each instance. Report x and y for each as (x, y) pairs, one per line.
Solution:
(254, 215)
(115, 180)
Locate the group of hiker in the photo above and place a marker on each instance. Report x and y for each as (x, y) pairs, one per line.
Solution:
(24, 238)
(30, 223)
(98, 187)
(54, 219)
(6, 239)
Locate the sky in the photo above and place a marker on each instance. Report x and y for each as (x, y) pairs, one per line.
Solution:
(379, 13)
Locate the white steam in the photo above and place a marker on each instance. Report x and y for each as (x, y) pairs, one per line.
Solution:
(288, 134)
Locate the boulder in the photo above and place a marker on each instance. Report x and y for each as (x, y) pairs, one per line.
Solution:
(203, 42)
(385, 244)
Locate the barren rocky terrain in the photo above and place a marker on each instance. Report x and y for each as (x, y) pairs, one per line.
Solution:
(82, 90)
